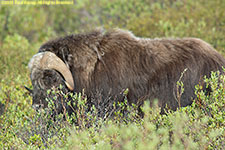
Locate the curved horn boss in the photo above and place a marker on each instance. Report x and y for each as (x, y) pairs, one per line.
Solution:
(48, 60)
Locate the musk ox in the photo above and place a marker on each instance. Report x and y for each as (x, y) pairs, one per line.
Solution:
(114, 60)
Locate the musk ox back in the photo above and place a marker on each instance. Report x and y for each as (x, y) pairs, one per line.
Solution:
(109, 62)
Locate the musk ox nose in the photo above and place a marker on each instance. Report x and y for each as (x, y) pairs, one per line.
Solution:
(37, 106)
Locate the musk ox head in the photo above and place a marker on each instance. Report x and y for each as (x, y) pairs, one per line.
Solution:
(63, 61)
(48, 71)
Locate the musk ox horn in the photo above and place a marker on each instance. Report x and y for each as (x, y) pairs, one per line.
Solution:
(48, 60)
(28, 89)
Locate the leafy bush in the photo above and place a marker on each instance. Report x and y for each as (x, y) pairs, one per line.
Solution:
(199, 126)
(108, 125)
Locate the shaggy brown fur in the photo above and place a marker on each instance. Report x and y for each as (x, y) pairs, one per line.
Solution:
(115, 60)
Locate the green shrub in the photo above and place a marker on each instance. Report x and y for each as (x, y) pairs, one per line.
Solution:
(199, 126)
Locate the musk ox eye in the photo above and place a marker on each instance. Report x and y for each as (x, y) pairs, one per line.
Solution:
(46, 82)
(50, 78)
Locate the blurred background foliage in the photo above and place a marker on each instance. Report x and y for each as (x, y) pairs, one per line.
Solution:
(24, 28)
